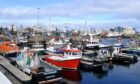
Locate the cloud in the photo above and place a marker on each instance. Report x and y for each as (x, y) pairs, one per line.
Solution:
(120, 10)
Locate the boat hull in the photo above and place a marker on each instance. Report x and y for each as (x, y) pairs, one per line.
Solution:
(8, 48)
(124, 58)
(68, 64)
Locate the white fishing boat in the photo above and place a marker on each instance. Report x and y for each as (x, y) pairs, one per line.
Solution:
(114, 34)
(56, 42)
(22, 39)
(55, 45)
(94, 43)
(37, 47)
(54, 49)
(27, 60)
(103, 55)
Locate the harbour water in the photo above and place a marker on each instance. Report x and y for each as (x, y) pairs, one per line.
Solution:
(110, 74)
(112, 41)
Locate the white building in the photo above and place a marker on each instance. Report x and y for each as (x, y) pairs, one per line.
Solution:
(129, 30)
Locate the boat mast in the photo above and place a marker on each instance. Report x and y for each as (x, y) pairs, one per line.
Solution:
(85, 30)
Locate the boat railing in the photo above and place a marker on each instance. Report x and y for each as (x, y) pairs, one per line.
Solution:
(48, 67)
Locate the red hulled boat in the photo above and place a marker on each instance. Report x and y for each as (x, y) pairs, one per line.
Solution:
(70, 58)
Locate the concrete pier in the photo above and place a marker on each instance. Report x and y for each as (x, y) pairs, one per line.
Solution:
(14, 73)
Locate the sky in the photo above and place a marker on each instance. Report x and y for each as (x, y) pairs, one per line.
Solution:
(96, 13)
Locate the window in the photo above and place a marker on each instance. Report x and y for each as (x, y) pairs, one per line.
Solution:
(105, 52)
(74, 53)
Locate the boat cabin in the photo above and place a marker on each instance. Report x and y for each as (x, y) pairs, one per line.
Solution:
(117, 50)
(91, 42)
(55, 42)
(38, 47)
(103, 52)
(72, 52)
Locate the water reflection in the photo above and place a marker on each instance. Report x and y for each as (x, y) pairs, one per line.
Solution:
(103, 72)
(100, 73)
(127, 65)
(71, 76)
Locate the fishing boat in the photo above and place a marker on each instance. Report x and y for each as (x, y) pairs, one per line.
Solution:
(90, 63)
(70, 59)
(135, 51)
(56, 41)
(29, 62)
(95, 44)
(55, 45)
(94, 59)
(37, 47)
(118, 56)
(114, 34)
(8, 47)
(22, 39)
(25, 61)
(53, 49)
(103, 55)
